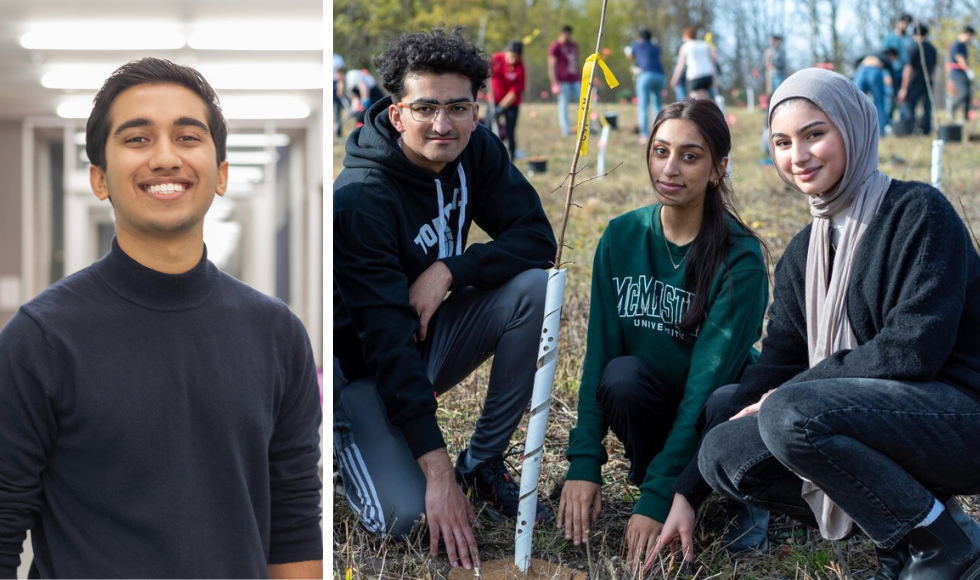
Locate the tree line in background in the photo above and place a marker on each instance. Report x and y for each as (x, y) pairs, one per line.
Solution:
(815, 31)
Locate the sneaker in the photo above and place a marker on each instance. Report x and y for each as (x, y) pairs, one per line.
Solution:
(494, 487)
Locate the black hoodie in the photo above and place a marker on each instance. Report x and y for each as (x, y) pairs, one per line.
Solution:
(387, 223)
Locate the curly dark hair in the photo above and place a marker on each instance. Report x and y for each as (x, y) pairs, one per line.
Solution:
(435, 52)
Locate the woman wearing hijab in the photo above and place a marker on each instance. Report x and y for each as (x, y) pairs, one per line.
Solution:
(863, 411)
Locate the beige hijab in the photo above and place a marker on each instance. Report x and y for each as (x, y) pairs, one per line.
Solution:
(854, 202)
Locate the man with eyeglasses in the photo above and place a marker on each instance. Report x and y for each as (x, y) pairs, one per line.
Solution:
(417, 175)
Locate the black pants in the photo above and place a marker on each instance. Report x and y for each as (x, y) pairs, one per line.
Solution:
(338, 112)
(382, 480)
(961, 82)
(883, 450)
(508, 129)
(917, 92)
(640, 410)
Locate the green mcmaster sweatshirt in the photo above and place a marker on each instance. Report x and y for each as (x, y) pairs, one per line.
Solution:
(638, 300)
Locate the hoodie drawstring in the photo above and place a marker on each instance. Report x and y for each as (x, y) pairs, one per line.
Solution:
(442, 221)
(462, 210)
(443, 251)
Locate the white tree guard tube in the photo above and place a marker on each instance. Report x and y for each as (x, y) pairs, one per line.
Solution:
(537, 422)
(937, 164)
(603, 144)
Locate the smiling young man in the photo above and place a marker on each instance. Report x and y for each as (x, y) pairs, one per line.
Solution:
(416, 176)
(158, 418)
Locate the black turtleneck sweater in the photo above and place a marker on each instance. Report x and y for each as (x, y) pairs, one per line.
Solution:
(156, 425)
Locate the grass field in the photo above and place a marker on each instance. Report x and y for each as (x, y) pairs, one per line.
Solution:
(777, 213)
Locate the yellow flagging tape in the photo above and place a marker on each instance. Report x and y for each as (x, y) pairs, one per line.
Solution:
(585, 104)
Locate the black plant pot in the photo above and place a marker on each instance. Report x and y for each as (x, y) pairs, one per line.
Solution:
(537, 165)
(951, 133)
(613, 119)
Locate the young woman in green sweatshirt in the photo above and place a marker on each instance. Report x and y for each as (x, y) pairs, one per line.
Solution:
(679, 290)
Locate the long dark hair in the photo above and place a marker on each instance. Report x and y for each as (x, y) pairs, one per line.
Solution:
(710, 247)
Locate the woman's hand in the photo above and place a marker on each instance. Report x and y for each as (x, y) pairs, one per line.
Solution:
(641, 538)
(581, 502)
(679, 526)
(753, 408)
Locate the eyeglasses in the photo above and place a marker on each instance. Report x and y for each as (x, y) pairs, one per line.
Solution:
(423, 112)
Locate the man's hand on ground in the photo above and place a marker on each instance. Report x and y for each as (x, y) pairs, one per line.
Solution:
(427, 293)
(448, 512)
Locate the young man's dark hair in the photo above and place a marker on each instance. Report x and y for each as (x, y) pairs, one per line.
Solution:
(645, 34)
(143, 71)
(920, 30)
(438, 52)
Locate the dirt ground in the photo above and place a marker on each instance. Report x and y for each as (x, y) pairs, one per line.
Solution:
(507, 570)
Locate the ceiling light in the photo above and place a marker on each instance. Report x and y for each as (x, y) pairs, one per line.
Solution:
(262, 76)
(239, 190)
(76, 108)
(251, 157)
(284, 76)
(265, 107)
(257, 140)
(245, 174)
(103, 35)
(258, 35)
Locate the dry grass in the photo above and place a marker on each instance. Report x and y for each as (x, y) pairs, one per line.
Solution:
(773, 210)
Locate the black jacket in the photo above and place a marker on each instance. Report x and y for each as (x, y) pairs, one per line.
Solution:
(387, 232)
(913, 303)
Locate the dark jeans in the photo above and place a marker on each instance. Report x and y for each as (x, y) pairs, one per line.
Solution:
(961, 83)
(382, 480)
(338, 112)
(507, 127)
(882, 450)
(640, 410)
(917, 92)
(870, 80)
